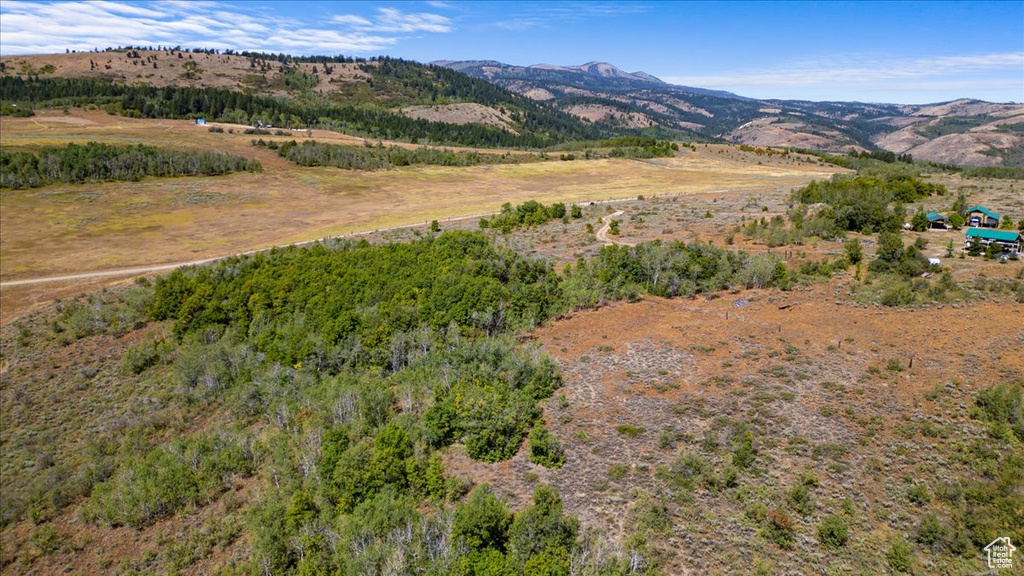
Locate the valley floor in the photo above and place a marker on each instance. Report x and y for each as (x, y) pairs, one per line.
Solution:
(72, 229)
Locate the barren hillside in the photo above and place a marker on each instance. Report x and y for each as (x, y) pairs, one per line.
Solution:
(468, 113)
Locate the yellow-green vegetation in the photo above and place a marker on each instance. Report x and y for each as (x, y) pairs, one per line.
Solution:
(95, 226)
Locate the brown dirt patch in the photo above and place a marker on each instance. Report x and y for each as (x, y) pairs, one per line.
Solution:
(461, 113)
(680, 368)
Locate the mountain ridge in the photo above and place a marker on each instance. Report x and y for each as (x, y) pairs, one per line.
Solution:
(965, 130)
(538, 105)
(593, 69)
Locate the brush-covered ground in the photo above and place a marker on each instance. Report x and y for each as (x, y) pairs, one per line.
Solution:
(366, 408)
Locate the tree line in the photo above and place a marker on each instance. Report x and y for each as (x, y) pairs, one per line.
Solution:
(96, 162)
(640, 147)
(312, 153)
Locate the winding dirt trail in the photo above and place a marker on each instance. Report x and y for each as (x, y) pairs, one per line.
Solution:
(602, 233)
(105, 273)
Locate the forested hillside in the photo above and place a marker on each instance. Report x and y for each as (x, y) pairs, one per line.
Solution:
(360, 97)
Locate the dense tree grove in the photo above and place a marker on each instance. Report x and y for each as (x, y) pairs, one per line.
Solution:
(640, 147)
(458, 278)
(1008, 172)
(312, 153)
(665, 269)
(389, 353)
(95, 162)
(529, 213)
(862, 202)
(883, 156)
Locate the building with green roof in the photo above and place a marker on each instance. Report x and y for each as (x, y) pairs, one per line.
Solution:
(983, 217)
(1010, 241)
(936, 220)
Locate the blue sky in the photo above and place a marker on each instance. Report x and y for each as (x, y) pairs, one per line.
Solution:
(904, 52)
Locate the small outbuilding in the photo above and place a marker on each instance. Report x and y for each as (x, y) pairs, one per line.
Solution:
(1009, 240)
(937, 221)
(982, 217)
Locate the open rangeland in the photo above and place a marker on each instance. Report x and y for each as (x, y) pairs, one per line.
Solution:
(858, 404)
(80, 228)
(720, 432)
(857, 411)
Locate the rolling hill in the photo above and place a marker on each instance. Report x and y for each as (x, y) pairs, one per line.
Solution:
(968, 132)
(378, 98)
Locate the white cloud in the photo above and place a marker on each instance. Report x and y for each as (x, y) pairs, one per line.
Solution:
(33, 27)
(125, 8)
(554, 14)
(522, 24)
(860, 71)
(394, 20)
(351, 19)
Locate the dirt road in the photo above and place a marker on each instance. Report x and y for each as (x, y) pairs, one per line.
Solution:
(602, 233)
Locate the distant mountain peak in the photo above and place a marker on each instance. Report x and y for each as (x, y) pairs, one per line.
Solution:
(601, 70)
(593, 75)
(594, 69)
(648, 77)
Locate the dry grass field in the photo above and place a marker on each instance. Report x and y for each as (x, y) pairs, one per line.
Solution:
(71, 229)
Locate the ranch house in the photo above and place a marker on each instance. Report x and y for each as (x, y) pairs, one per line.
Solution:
(982, 217)
(1009, 240)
